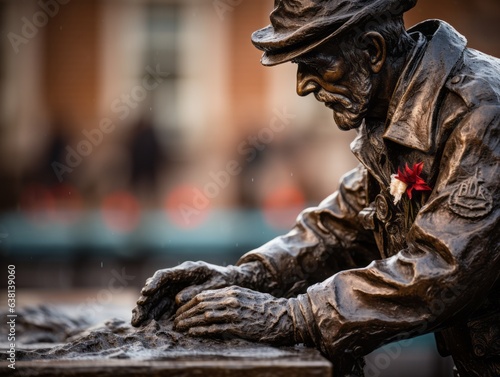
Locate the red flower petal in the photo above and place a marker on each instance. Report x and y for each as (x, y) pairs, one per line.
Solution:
(423, 187)
(419, 181)
(409, 192)
(417, 168)
(408, 171)
(412, 178)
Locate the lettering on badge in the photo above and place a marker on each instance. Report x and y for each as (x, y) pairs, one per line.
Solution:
(471, 199)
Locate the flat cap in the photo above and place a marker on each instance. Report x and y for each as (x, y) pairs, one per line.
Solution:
(298, 26)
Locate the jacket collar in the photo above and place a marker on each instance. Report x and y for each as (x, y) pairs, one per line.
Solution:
(414, 102)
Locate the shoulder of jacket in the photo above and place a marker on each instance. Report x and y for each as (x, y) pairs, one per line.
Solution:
(476, 79)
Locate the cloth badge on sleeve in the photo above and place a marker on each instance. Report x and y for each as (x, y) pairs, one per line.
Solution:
(471, 199)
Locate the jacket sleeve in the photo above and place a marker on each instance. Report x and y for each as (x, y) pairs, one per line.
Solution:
(451, 263)
(325, 240)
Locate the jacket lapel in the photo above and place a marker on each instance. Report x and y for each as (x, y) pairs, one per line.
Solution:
(416, 98)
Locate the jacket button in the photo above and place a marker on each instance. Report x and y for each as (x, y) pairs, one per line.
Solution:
(479, 350)
(392, 229)
(382, 208)
(456, 80)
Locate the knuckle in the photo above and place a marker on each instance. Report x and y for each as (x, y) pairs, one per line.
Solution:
(200, 297)
(214, 328)
(232, 291)
(190, 264)
(233, 302)
(200, 305)
(157, 275)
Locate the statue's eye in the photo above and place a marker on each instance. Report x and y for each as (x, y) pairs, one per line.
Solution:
(312, 64)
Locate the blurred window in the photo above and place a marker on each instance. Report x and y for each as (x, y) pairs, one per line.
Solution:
(163, 34)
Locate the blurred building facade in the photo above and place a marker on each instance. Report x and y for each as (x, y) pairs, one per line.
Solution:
(69, 66)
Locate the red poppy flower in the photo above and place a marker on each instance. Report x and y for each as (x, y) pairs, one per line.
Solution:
(412, 178)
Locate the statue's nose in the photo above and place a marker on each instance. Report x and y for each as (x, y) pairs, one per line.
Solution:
(306, 82)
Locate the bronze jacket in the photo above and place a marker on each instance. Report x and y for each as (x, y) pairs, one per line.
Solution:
(388, 277)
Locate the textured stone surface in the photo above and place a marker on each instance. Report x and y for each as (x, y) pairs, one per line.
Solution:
(53, 342)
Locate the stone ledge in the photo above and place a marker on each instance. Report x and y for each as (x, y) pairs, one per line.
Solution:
(308, 363)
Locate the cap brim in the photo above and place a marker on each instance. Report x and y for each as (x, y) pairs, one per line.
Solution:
(265, 38)
(270, 58)
(282, 47)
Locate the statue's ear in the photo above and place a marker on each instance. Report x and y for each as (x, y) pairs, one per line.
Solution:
(376, 50)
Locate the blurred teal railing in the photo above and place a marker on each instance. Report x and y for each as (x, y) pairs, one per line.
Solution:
(155, 230)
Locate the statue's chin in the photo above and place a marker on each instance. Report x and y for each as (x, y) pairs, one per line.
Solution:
(347, 122)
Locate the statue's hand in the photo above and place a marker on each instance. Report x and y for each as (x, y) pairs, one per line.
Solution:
(173, 287)
(239, 312)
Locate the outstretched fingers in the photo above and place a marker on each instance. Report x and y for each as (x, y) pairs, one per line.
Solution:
(206, 308)
(217, 329)
(197, 303)
(206, 319)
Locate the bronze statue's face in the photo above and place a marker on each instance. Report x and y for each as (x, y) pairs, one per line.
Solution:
(343, 86)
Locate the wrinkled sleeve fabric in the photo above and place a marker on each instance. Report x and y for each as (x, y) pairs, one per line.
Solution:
(451, 262)
(325, 240)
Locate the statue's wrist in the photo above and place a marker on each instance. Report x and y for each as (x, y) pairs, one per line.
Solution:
(252, 275)
(281, 329)
(301, 333)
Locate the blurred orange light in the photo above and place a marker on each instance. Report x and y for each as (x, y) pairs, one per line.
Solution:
(282, 206)
(187, 206)
(121, 212)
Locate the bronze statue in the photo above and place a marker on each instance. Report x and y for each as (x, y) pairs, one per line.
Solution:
(409, 244)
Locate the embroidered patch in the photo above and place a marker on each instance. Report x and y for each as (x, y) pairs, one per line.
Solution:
(471, 199)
